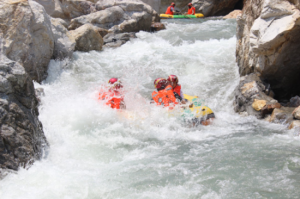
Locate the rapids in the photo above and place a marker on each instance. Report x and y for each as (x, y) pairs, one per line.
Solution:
(96, 152)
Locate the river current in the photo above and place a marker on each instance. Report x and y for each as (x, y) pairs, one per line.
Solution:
(97, 152)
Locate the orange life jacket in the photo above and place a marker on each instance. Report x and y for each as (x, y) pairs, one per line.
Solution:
(164, 97)
(112, 98)
(191, 11)
(169, 11)
(177, 89)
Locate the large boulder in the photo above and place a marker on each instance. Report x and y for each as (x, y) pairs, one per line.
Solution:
(119, 16)
(269, 42)
(22, 138)
(67, 9)
(27, 36)
(87, 38)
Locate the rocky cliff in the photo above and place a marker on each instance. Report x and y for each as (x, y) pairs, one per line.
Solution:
(268, 44)
(22, 138)
(267, 56)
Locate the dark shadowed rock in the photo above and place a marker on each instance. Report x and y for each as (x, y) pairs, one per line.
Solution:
(22, 138)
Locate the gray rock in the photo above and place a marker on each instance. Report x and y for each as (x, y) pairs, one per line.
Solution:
(22, 138)
(27, 36)
(119, 16)
(87, 38)
(116, 40)
(63, 46)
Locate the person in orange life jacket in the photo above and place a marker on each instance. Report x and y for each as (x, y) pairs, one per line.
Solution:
(164, 94)
(113, 97)
(191, 10)
(171, 9)
(173, 81)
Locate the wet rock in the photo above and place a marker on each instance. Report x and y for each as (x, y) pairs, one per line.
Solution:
(296, 113)
(295, 124)
(268, 44)
(282, 115)
(87, 38)
(63, 46)
(27, 36)
(39, 92)
(249, 89)
(294, 101)
(119, 17)
(157, 26)
(233, 15)
(22, 138)
(259, 104)
(116, 40)
(269, 107)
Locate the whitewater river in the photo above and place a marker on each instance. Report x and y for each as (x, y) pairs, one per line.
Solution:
(96, 152)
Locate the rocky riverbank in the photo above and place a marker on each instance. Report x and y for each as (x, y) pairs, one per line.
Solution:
(267, 56)
(34, 32)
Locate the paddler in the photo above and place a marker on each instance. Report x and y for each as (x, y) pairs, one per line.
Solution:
(191, 10)
(113, 96)
(173, 81)
(164, 94)
(171, 9)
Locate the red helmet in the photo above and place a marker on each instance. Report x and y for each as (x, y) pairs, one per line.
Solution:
(160, 82)
(172, 4)
(173, 78)
(115, 82)
(190, 4)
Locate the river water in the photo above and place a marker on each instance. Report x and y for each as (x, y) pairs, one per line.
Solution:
(97, 152)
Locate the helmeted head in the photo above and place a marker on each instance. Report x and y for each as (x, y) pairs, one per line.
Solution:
(160, 83)
(173, 80)
(172, 4)
(115, 83)
(190, 5)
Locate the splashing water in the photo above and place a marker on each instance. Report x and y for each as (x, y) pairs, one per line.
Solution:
(97, 152)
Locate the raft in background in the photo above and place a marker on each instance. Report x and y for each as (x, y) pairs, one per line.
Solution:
(166, 16)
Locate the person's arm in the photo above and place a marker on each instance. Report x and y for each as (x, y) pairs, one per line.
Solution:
(177, 96)
(193, 11)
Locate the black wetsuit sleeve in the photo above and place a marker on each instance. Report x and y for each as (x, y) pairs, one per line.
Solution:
(177, 96)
